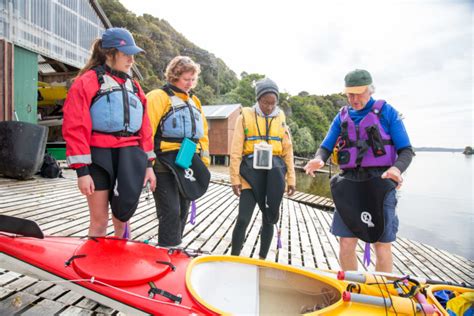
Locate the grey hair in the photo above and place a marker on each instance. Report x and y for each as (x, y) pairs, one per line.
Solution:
(371, 88)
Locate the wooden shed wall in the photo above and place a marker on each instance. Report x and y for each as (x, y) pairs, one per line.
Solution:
(220, 134)
(6, 80)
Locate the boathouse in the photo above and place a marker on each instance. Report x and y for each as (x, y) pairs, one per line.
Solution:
(221, 123)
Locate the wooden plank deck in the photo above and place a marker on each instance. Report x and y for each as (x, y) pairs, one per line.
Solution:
(320, 202)
(61, 210)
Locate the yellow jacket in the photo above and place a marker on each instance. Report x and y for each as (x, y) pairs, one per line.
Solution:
(158, 104)
(255, 132)
(240, 148)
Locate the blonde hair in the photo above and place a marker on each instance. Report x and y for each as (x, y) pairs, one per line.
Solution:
(98, 57)
(180, 65)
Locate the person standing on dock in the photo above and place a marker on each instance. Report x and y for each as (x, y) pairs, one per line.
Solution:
(180, 133)
(108, 134)
(369, 142)
(261, 162)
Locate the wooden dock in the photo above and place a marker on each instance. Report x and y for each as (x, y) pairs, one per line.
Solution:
(58, 207)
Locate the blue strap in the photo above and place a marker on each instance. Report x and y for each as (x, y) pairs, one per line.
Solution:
(263, 137)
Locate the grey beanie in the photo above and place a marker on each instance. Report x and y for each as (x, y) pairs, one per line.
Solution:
(265, 86)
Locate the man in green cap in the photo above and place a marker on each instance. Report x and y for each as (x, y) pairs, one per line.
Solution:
(369, 142)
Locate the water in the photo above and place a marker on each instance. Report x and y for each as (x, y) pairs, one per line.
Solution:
(319, 185)
(435, 203)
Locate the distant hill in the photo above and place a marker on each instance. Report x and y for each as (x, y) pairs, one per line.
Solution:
(161, 43)
(439, 149)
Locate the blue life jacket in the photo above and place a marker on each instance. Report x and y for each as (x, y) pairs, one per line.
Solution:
(183, 120)
(116, 108)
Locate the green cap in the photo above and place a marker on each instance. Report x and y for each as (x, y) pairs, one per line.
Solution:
(357, 81)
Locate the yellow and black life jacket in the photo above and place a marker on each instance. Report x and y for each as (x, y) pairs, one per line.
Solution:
(258, 129)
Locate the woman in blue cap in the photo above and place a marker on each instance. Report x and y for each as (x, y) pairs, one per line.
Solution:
(108, 134)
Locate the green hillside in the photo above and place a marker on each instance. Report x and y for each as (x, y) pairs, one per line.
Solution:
(308, 115)
(161, 43)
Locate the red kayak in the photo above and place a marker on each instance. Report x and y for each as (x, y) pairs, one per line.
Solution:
(132, 277)
(140, 279)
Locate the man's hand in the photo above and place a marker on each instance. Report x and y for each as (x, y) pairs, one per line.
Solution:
(237, 188)
(291, 190)
(150, 176)
(313, 165)
(394, 174)
(86, 185)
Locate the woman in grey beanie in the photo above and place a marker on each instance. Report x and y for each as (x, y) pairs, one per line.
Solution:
(261, 164)
(264, 86)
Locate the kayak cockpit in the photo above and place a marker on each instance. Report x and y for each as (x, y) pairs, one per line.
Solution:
(235, 285)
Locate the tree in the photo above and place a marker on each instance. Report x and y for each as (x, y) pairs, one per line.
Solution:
(244, 92)
(303, 142)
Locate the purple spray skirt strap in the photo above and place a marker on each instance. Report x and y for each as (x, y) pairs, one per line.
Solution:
(367, 254)
(126, 232)
(193, 212)
(278, 237)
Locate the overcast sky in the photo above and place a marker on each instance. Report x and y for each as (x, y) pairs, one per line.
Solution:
(418, 52)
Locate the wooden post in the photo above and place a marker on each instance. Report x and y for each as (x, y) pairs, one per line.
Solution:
(6, 81)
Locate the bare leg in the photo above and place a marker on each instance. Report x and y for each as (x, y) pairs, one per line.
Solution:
(99, 213)
(347, 255)
(119, 227)
(383, 255)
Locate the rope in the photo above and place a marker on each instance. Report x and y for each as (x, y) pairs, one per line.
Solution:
(383, 296)
(92, 280)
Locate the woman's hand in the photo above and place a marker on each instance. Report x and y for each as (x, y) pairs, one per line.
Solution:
(86, 185)
(313, 165)
(150, 177)
(394, 174)
(291, 190)
(237, 188)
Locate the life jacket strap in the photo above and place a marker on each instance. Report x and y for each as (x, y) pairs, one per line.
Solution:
(173, 139)
(275, 138)
(119, 133)
(102, 70)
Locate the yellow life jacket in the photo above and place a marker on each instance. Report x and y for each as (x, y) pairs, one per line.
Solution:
(255, 130)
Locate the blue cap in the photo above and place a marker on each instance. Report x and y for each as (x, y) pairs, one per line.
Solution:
(121, 39)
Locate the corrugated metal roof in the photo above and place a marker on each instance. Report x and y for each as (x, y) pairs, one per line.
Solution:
(43, 67)
(46, 69)
(219, 111)
(61, 30)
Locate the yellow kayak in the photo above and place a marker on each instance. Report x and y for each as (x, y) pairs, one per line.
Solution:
(50, 94)
(245, 286)
(468, 296)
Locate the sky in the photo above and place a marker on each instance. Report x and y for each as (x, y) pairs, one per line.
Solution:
(420, 53)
